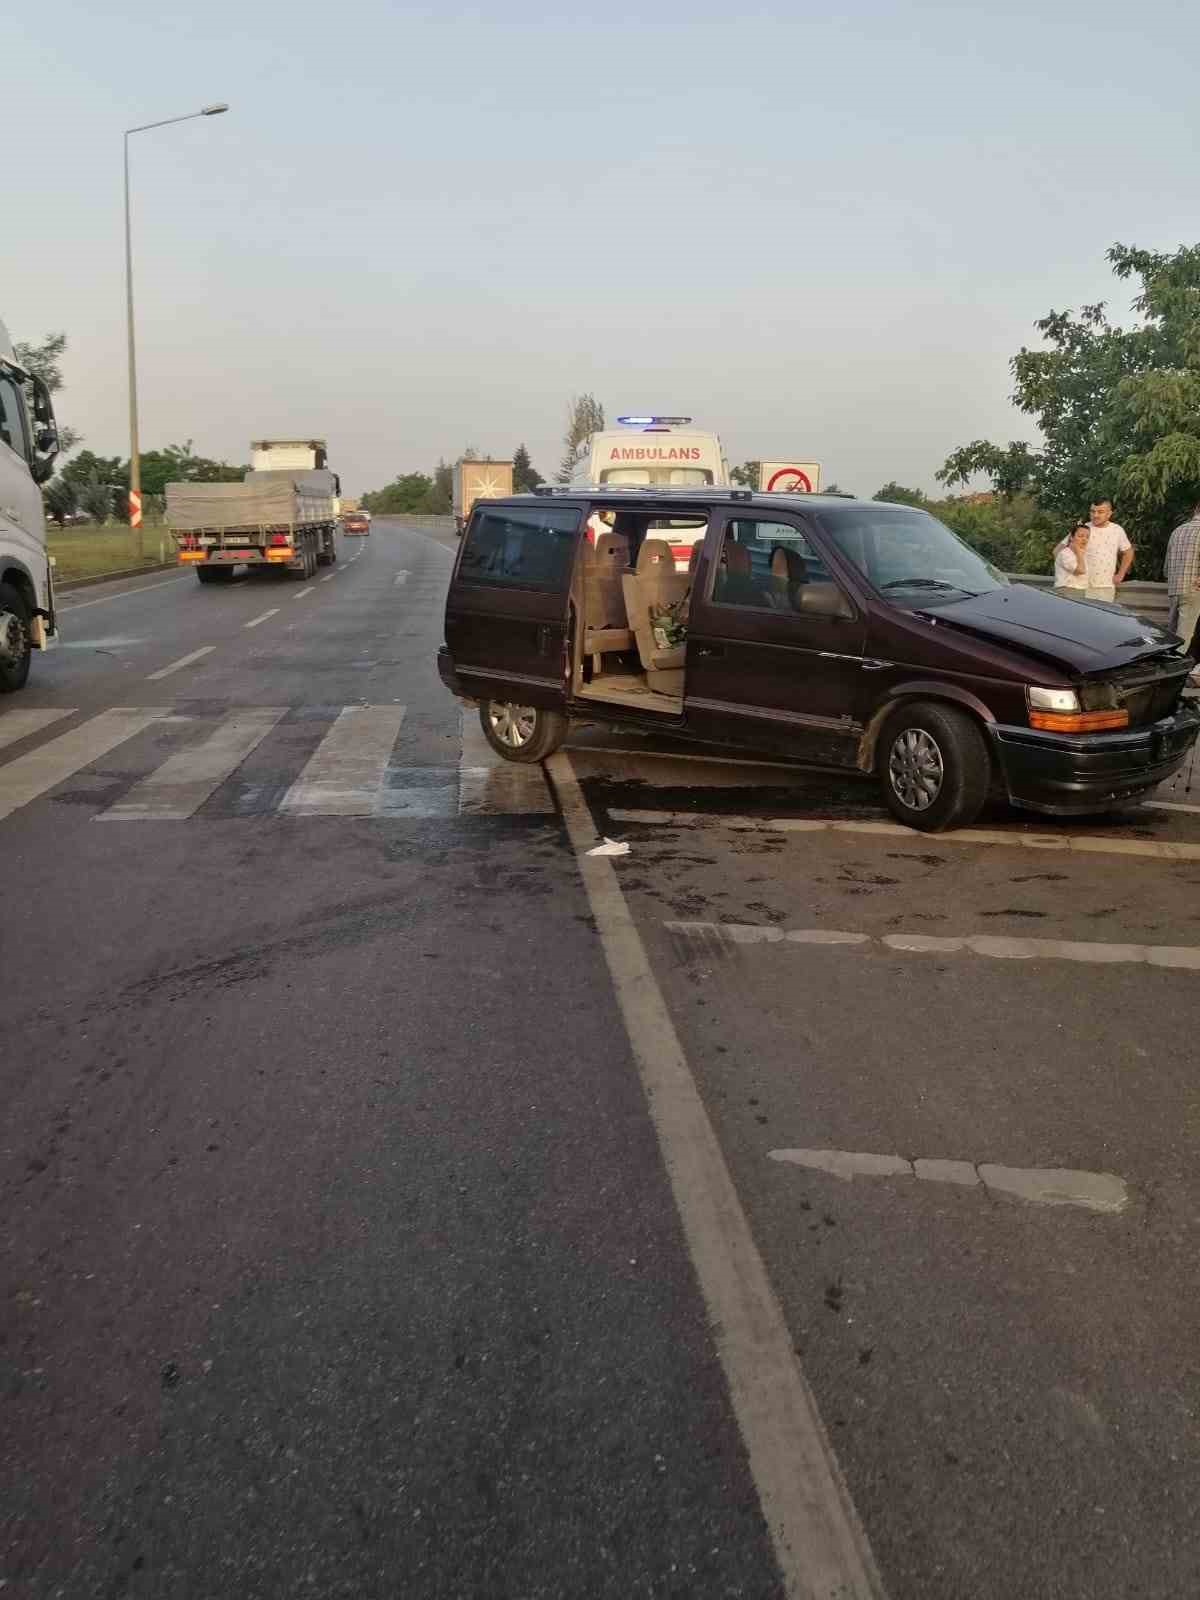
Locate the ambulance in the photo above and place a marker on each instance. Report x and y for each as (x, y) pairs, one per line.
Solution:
(657, 453)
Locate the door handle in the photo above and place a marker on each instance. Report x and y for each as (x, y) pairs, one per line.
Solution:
(710, 651)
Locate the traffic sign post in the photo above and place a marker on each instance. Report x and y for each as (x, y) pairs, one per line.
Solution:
(789, 477)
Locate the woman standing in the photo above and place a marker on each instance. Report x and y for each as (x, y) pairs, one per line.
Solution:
(1070, 564)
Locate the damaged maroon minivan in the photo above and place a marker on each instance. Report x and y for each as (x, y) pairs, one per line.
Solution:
(846, 634)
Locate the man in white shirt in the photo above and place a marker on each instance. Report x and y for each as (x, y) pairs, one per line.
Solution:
(1109, 553)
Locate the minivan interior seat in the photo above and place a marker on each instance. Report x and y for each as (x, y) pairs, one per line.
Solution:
(605, 624)
(787, 574)
(655, 583)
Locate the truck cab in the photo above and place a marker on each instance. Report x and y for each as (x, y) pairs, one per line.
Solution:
(28, 447)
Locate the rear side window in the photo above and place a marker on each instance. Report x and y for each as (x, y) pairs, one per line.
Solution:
(521, 548)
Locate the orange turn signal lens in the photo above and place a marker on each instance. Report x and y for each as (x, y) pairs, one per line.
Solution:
(1078, 721)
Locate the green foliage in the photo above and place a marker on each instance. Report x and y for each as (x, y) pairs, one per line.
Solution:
(45, 362)
(87, 467)
(896, 494)
(585, 416)
(61, 498)
(526, 477)
(98, 499)
(1118, 408)
(746, 474)
(411, 492)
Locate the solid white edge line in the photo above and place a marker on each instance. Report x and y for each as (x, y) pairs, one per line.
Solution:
(184, 661)
(274, 612)
(126, 594)
(820, 1544)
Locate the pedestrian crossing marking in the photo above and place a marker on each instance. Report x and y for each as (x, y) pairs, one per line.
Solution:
(18, 725)
(360, 768)
(185, 781)
(31, 775)
(345, 774)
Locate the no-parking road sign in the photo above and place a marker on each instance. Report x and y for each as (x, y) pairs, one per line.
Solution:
(789, 477)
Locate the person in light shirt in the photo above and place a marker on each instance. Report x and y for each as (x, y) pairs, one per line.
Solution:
(1109, 552)
(1070, 564)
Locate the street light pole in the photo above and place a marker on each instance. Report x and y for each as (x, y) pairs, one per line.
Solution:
(135, 464)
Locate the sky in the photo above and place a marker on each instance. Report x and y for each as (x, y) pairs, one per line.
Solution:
(823, 234)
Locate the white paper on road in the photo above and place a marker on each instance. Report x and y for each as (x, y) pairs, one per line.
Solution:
(610, 847)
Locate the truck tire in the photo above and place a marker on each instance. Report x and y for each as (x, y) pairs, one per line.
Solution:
(933, 766)
(521, 733)
(214, 574)
(16, 644)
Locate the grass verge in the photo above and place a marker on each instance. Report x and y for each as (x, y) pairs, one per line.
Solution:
(89, 552)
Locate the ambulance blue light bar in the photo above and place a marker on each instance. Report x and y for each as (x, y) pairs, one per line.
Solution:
(650, 422)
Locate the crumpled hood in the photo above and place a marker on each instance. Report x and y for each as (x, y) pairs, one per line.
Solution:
(1082, 636)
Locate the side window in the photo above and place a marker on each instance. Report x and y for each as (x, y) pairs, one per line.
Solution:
(521, 548)
(12, 417)
(762, 563)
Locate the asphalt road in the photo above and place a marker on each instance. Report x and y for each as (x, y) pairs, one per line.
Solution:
(342, 1252)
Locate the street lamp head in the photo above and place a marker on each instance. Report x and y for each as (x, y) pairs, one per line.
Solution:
(214, 111)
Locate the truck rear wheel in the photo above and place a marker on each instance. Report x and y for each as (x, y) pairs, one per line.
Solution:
(16, 644)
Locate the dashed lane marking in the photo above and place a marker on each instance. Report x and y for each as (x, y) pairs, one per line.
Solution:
(274, 612)
(1076, 843)
(184, 661)
(301, 593)
(1180, 956)
(820, 1545)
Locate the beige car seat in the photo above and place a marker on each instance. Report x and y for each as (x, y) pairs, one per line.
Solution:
(655, 583)
(605, 624)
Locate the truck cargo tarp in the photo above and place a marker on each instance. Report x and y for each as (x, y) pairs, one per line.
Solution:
(265, 500)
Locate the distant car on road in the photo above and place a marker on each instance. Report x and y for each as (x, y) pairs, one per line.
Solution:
(356, 522)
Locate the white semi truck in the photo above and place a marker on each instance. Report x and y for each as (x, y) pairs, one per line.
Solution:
(28, 447)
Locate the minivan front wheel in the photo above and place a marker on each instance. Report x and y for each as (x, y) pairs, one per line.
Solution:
(521, 733)
(933, 766)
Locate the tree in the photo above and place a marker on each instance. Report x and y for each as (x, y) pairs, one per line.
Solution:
(442, 498)
(585, 416)
(44, 361)
(1118, 408)
(896, 494)
(526, 477)
(410, 492)
(62, 499)
(746, 474)
(96, 499)
(87, 467)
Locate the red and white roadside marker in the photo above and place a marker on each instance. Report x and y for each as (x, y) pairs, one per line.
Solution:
(135, 509)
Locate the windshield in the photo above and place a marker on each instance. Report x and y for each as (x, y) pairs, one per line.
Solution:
(910, 556)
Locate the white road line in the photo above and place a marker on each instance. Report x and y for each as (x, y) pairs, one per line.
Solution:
(29, 776)
(400, 580)
(184, 661)
(300, 595)
(490, 786)
(996, 946)
(1047, 1186)
(274, 612)
(1171, 805)
(126, 594)
(17, 725)
(819, 1543)
(1076, 843)
(329, 578)
(344, 776)
(184, 782)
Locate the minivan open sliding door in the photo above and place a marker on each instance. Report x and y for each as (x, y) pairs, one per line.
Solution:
(774, 642)
(507, 611)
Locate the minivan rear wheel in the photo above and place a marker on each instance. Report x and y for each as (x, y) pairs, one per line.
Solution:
(933, 766)
(521, 733)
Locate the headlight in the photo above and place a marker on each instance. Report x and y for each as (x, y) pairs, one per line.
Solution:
(1053, 700)
(1059, 711)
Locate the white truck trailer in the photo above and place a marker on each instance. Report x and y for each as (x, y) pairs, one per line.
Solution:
(28, 447)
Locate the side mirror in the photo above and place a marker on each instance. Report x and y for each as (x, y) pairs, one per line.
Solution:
(45, 433)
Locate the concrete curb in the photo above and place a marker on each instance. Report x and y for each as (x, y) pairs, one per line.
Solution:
(67, 584)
